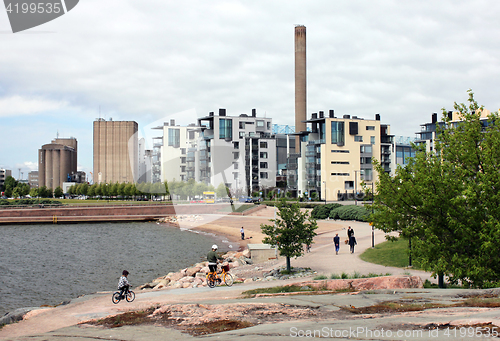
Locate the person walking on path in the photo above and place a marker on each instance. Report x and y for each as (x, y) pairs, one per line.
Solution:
(242, 231)
(350, 232)
(352, 242)
(336, 241)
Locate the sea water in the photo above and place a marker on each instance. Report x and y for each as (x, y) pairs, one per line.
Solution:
(47, 264)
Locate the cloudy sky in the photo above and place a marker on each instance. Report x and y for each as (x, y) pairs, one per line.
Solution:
(154, 60)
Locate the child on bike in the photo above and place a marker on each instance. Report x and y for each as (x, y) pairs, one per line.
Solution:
(213, 258)
(123, 284)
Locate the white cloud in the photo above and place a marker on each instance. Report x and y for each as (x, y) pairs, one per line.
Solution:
(18, 105)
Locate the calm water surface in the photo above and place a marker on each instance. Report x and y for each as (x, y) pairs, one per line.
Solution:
(49, 264)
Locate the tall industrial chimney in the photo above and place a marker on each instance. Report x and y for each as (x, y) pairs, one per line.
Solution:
(300, 83)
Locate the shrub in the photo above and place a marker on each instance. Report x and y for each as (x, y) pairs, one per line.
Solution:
(350, 212)
(323, 211)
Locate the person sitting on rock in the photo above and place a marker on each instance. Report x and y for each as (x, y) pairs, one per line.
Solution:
(123, 284)
(213, 258)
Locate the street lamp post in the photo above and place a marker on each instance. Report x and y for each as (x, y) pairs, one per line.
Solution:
(324, 193)
(355, 187)
(373, 228)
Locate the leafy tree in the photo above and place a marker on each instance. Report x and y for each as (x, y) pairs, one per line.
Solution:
(10, 182)
(290, 231)
(447, 201)
(92, 190)
(34, 192)
(221, 190)
(58, 192)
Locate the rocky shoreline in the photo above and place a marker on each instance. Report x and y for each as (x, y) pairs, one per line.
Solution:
(241, 267)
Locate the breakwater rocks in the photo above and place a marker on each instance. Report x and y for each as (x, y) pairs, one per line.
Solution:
(176, 219)
(195, 276)
(241, 267)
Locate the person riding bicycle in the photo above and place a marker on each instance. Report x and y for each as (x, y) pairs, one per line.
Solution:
(123, 284)
(213, 258)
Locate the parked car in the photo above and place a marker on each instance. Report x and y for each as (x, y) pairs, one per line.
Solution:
(256, 199)
(245, 199)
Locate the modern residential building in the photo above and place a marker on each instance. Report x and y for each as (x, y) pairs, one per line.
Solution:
(239, 151)
(172, 151)
(404, 151)
(57, 162)
(116, 151)
(428, 131)
(4, 173)
(33, 179)
(338, 155)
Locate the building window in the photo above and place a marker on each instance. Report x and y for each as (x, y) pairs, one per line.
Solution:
(365, 160)
(340, 162)
(242, 125)
(260, 124)
(370, 127)
(236, 165)
(263, 165)
(338, 133)
(263, 155)
(263, 175)
(225, 129)
(183, 169)
(358, 138)
(366, 149)
(366, 174)
(242, 134)
(340, 174)
(372, 139)
(263, 144)
(348, 185)
(236, 145)
(236, 155)
(174, 138)
(340, 151)
(183, 160)
(268, 125)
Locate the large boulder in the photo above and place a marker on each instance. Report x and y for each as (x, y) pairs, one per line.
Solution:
(173, 277)
(192, 271)
(162, 284)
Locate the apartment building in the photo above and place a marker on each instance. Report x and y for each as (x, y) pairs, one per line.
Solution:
(176, 153)
(4, 173)
(239, 151)
(338, 155)
(428, 131)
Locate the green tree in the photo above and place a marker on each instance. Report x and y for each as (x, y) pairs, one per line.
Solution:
(290, 231)
(58, 192)
(222, 191)
(447, 201)
(34, 192)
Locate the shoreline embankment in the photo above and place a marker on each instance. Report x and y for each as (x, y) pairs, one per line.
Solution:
(104, 213)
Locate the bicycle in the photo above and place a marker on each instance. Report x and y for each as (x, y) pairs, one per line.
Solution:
(213, 278)
(129, 295)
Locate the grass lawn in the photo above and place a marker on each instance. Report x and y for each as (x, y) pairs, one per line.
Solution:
(389, 254)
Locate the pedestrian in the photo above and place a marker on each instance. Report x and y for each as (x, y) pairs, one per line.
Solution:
(350, 232)
(336, 241)
(352, 242)
(242, 231)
